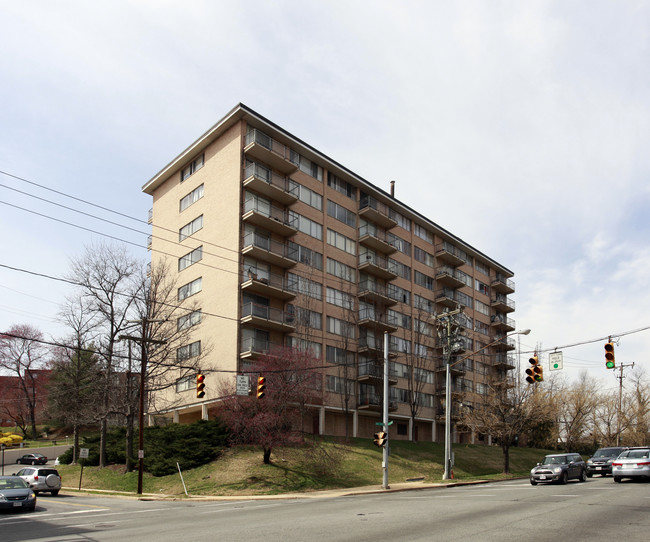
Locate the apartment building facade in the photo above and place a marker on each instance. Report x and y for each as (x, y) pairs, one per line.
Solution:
(279, 245)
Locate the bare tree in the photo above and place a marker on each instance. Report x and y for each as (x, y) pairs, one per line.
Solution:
(22, 351)
(636, 415)
(576, 407)
(105, 275)
(506, 412)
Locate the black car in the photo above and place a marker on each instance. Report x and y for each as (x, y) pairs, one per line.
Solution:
(559, 468)
(32, 459)
(601, 461)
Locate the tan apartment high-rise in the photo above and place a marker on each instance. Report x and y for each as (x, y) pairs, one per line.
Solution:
(278, 244)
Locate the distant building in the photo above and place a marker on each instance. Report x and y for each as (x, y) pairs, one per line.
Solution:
(14, 404)
(281, 245)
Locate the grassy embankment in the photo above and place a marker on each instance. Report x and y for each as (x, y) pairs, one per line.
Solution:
(240, 471)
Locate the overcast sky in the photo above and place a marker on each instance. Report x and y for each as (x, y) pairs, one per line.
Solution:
(521, 127)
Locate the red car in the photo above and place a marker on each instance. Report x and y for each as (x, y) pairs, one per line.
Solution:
(32, 459)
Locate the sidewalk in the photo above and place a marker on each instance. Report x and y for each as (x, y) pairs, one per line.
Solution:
(325, 494)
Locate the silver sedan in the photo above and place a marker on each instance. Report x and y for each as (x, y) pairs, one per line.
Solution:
(633, 463)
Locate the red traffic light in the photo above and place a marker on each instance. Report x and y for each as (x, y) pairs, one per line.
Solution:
(261, 387)
(610, 360)
(200, 385)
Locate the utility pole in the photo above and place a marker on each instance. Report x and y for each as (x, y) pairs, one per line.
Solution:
(447, 357)
(386, 450)
(620, 399)
(143, 340)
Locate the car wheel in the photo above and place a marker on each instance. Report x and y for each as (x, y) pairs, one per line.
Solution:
(583, 476)
(564, 478)
(533, 483)
(617, 479)
(589, 474)
(55, 492)
(33, 461)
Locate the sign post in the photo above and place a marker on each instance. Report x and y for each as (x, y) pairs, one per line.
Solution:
(83, 455)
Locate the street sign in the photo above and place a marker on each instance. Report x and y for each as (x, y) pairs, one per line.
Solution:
(83, 453)
(243, 384)
(555, 361)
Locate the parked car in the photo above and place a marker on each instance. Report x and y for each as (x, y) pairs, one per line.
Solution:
(32, 459)
(15, 494)
(632, 463)
(559, 468)
(601, 461)
(41, 479)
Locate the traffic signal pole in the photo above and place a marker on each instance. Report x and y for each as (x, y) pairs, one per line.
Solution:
(384, 463)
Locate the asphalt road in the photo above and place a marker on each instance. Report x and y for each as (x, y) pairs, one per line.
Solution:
(596, 511)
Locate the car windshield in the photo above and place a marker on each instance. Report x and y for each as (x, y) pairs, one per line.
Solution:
(13, 483)
(606, 452)
(554, 460)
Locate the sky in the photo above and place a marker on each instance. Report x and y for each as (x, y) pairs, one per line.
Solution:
(521, 127)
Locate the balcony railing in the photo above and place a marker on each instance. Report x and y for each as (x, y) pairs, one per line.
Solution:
(276, 318)
(271, 217)
(378, 265)
(451, 254)
(502, 284)
(270, 284)
(265, 181)
(377, 212)
(267, 249)
(376, 238)
(384, 322)
(375, 371)
(268, 150)
(150, 216)
(502, 303)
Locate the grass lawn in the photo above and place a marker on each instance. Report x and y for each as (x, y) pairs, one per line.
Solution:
(327, 465)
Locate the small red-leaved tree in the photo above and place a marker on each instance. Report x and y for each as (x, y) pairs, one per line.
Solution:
(293, 385)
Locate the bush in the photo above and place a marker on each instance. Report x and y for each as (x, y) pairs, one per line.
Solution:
(190, 445)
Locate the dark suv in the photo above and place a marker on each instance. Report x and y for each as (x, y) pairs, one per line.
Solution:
(559, 468)
(601, 461)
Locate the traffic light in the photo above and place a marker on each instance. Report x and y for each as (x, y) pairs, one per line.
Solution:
(534, 373)
(381, 438)
(610, 361)
(261, 387)
(200, 385)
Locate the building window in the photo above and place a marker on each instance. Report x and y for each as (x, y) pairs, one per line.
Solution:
(341, 214)
(340, 298)
(401, 269)
(194, 196)
(482, 287)
(190, 258)
(423, 304)
(423, 280)
(342, 242)
(482, 268)
(398, 294)
(481, 327)
(189, 289)
(339, 356)
(188, 351)
(340, 327)
(402, 220)
(190, 228)
(189, 320)
(309, 319)
(401, 319)
(481, 307)
(303, 345)
(400, 244)
(184, 384)
(310, 197)
(336, 384)
(188, 171)
(423, 256)
(305, 255)
(341, 186)
(341, 270)
(305, 225)
(423, 233)
(305, 286)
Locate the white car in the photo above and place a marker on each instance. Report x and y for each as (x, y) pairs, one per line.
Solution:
(41, 479)
(634, 463)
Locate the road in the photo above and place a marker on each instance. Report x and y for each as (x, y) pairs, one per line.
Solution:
(597, 510)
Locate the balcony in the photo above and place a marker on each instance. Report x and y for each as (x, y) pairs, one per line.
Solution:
(372, 292)
(253, 348)
(150, 216)
(504, 343)
(376, 212)
(269, 217)
(377, 265)
(502, 284)
(502, 304)
(454, 370)
(270, 285)
(268, 317)
(505, 361)
(264, 248)
(448, 253)
(448, 276)
(276, 187)
(149, 241)
(500, 322)
(374, 402)
(264, 148)
(373, 373)
(447, 298)
(455, 413)
(373, 347)
(377, 321)
(375, 239)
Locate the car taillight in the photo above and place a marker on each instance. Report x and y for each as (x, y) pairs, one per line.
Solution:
(644, 464)
(615, 464)
(36, 477)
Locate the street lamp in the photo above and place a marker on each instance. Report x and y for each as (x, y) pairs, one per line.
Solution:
(447, 474)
